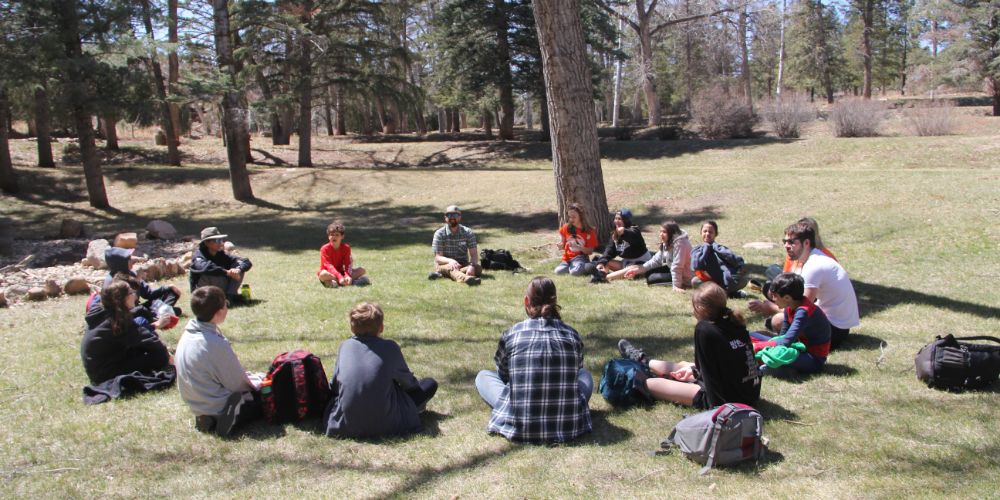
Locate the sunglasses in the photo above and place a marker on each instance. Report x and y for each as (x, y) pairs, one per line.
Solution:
(453, 215)
(788, 241)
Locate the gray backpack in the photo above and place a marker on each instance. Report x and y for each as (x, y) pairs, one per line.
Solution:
(725, 435)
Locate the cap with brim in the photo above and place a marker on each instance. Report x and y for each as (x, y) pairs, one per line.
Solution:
(212, 233)
(452, 208)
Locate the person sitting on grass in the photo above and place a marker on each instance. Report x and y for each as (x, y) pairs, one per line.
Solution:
(121, 260)
(626, 242)
(791, 266)
(114, 343)
(724, 369)
(210, 378)
(336, 265)
(374, 392)
(803, 322)
(671, 265)
(717, 263)
(455, 250)
(540, 390)
(578, 242)
(212, 266)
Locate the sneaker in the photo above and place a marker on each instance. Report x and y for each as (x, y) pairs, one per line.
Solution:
(473, 280)
(632, 352)
(362, 281)
(225, 422)
(433, 275)
(204, 423)
(757, 285)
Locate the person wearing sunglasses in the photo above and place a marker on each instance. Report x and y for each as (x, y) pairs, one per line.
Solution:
(455, 250)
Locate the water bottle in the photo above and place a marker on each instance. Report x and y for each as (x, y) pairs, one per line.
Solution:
(245, 292)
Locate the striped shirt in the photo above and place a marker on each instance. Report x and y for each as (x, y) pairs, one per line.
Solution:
(539, 360)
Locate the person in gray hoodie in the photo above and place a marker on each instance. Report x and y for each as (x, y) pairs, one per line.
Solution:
(671, 264)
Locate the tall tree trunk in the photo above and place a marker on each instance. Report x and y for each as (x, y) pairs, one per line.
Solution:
(77, 80)
(506, 82)
(576, 159)
(442, 120)
(173, 154)
(543, 119)
(867, 15)
(173, 67)
(529, 121)
(617, 100)
(328, 111)
(386, 121)
(647, 73)
(109, 125)
(305, 90)
(995, 82)
(486, 122)
(8, 177)
(745, 59)
(456, 120)
(781, 53)
(234, 115)
(341, 112)
(43, 126)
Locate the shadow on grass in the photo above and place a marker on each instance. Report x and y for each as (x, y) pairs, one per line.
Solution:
(605, 433)
(859, 342)
(771, 410)
(428, 474)
(829, 370)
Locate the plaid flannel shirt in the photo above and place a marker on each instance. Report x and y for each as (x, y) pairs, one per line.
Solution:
(454, 245)
(539, 360)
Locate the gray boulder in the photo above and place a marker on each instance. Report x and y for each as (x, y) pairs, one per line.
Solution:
(160, 229)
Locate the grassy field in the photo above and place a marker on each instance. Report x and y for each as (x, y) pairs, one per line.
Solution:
(914, 220)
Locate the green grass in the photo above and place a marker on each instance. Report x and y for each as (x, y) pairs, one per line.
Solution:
(914, 220)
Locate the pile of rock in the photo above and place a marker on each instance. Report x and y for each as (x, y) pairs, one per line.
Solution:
(50, 268)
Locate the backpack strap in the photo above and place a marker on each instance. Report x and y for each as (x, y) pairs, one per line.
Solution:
(979, 337)
(301, 392)
(719, 419)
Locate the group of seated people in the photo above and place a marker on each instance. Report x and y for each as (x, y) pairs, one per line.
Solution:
(540, 390)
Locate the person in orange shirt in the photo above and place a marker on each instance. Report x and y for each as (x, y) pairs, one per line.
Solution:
(336, 266)
(578, 242)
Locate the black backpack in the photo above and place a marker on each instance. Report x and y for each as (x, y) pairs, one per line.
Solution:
(500, 260)
(295, 388)
(947, 363)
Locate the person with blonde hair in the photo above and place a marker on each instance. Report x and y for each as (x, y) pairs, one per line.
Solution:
(724, 369)
(374, 392)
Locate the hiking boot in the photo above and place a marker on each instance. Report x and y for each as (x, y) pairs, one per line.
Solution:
(473, 280)
(225, 422)
(362, 281)
(632, 352)
(433, 275)
(757, 285)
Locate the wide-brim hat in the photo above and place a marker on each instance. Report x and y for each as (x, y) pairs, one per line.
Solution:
(212, 233)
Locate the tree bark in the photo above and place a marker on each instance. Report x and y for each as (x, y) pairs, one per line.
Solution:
(506, 82)
(109, 125)
(456, 120)
(781, 53)
(576, 159)
(173, 67)
(867, 16)
(442, 120)
(305, 90)
(617, 99)
(328, 111)
(543, 120)
(43, 127)
(77, 79)
(8, 177)
(234, 115)
(745, 59)
(339, 108)
(173, 154)
(486, 121)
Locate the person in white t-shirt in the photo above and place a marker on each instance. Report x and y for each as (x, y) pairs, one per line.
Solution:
(826, 284)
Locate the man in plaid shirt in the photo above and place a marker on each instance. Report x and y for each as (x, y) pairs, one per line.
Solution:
(540, 391)
(455, 252)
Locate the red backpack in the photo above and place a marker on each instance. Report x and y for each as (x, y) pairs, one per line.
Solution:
(295, 388)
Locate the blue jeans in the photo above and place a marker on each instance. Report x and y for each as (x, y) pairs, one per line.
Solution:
(490, 386)
(578, 266)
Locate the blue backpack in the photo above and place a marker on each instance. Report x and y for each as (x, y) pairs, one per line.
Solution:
(624, 383)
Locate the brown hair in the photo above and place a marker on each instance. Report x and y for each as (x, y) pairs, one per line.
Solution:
(335, 227)
(812, 224)
(802, 231)
(206, 301)
(709, 304)
(113, 300)
(366, 319)
(132, 281)
(673, 229)
(579, 210)
(541, 295)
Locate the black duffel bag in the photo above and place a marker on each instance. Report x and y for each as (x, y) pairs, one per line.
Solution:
(950, 363)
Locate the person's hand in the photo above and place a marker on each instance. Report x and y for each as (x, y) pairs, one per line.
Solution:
(234, 273)
(632, 271)
(574, 246)
(685, 374)
(165, 322)
(756, 306)
(345, 281)
(454, 265)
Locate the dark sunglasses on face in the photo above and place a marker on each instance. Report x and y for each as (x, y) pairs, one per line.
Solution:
(453, 215)
(789, 241)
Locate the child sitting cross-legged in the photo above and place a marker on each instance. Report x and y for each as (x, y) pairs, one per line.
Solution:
(803, 322)
(336, 266)
(210, 378)
(374, 392)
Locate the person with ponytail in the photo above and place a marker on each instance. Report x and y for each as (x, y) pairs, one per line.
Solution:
(114, 343)
(540, 390)
(724, 369)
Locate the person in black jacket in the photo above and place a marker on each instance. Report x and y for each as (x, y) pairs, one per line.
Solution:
(212, 266)
(724, 369)
(114, 344)
(626, 242)
(120, 260)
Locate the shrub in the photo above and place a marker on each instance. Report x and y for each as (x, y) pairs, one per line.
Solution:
(857, 117)
(719, 115)
(787, 115)
(932, 118)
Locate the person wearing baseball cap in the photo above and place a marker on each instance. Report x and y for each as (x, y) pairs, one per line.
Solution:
(455, 252)
(211, 265)
(121, 260)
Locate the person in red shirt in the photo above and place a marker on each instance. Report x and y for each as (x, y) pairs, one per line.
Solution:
(578, 241)
(336, 266)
